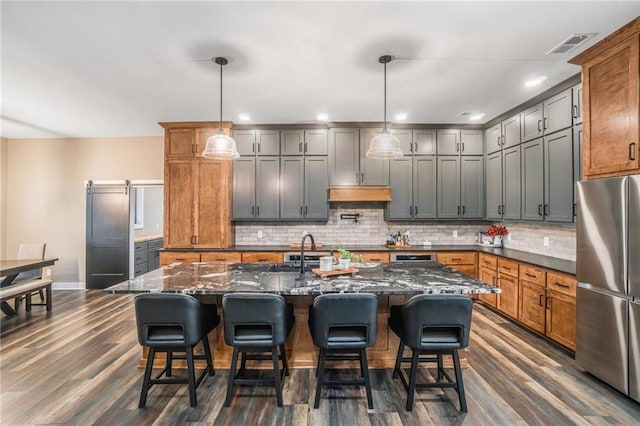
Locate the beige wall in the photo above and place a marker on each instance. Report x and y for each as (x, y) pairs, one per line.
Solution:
(3, 197)
(46, 194)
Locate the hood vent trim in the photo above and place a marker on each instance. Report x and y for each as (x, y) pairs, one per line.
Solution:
(359, 193)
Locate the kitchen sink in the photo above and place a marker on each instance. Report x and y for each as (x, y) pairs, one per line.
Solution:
(288, 267)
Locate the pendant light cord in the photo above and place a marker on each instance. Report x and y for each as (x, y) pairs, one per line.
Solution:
(220, 131)
(384, 129)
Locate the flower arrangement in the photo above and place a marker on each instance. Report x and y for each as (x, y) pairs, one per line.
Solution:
(346, 254)
(497, 230)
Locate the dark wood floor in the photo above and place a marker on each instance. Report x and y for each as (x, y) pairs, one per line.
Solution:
(79, 365)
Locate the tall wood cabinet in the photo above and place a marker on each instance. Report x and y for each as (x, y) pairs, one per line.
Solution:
(611, 83)
(197, 191)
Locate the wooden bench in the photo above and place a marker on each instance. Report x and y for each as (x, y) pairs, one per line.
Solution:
(14, 291)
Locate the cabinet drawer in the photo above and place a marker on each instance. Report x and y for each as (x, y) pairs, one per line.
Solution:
(562, 283)
(262, 257)
(221, 257)
(462, 258)
(155, 244)
(373, 256)
(141, 245)
(533, 274)
(140, 256)
(141, 268)
(508, 267)
(488, 261)
(170, 257)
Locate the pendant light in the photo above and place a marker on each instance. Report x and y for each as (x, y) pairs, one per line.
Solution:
(220, 146)
(385, 145)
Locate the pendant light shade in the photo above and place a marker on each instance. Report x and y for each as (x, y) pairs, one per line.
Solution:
(386, 145)
(220, 146)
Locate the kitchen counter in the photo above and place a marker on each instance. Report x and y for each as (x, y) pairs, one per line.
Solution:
(382, 279)
(147, 238)
(549, 262)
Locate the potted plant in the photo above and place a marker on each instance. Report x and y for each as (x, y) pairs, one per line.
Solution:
(346, 257)
(498, 232)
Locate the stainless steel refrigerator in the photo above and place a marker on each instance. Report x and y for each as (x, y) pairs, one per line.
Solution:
(608, 266)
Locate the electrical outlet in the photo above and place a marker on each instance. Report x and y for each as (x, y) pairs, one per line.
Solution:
(509, 236)
(47, 272)
(455, 234)
(545, 241)
(260, 233)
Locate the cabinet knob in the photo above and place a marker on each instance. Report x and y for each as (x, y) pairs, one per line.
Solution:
(632, 151)
(575, 111)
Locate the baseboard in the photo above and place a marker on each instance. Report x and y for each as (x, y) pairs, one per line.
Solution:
(68, 285)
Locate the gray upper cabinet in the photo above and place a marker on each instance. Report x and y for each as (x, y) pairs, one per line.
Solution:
(344, 157)
(316, 184)
(511, 183)
(531, 123)
(494, 185)
(558, 173)
(533, 180)
(292, 185)
(372, 171)
(576, 97)
(291, 142)
(244, 180)
(245, 141)
(267, 142)
(268, 187)
(472, 187)
(401, 181)
(471, 142)
(493, 139)
(315, 142)
(424, 142)
(448, 142)
(424, 187)
(557, 112)
(448, 187)
(511, 132)
(406, 140)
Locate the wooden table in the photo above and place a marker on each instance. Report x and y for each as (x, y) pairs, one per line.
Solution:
(9, 270)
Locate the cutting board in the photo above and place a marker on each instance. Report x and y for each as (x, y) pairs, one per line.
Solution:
(348, 271)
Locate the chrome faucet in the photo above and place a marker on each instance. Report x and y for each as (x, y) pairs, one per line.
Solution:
(313, 247)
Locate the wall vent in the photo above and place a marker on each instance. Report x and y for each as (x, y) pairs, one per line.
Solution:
(570, 43)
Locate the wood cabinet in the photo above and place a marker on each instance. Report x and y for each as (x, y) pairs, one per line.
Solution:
(532, 303)
(167, 257)
(508, 272)
(561, 318)
(464, 261)
(373, 256)
(487, 273)
(262, 257)
(221, 256)
(197, 191)
(610, 83)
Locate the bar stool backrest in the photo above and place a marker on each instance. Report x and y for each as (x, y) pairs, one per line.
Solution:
(344, 310)
(168, 319)
(254, 310)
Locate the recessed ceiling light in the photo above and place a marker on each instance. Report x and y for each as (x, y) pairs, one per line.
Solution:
(244, 117)
(535, 81)
(323, 117)
(401, 116)
(476, 117)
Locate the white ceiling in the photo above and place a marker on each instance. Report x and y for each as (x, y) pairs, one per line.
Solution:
(83, 69)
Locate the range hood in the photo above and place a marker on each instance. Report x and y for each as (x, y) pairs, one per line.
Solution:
(359, 193)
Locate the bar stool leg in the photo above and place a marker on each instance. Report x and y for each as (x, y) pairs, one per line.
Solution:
(367, 382)
(207, 354)
(169, 363)
(232, 373)
(439, 356)
(412, 379)
(192, 377)
(285, 365)
(147, 377)
(459, 382)
(320, 374)
(276, 374)
(396, 369)
(243, 362)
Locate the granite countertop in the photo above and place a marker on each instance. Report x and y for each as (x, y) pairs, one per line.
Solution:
(147, 238)
(219, 278)
(549, 262)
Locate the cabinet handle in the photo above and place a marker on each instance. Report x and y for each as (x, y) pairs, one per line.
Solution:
(259, 147)
(462, 146)
(539, 123)
(306, 210)
(458, 210)
(253, 147)
(305, 146)
(357, 177)
(375, 259)
(416, 150)
(253, 210)
(561, 285)
(548, 302)
(541, 301)
(220, 259)
(499, 140)
(539, 209)
(300, 210)
(193, 149)
(456, 259)
(632, 151)
(300, 147)
(415, 210)
(457, 147)
(262, 259)
(529, 275)
(410, 209)
(258, 211)
(361, 177)
(544, 127)
(506, 267)
(197, 242)
(575, 111)
(546, 210)
(463, 210)
(574, 209)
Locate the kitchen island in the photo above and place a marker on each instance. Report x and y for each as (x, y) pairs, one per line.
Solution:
(393, 283)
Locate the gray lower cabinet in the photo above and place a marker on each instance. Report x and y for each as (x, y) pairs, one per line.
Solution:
(511, 190)
(558, 176)
(244, 188)
(448, 187)
(344, 157)
(146, 256)
(448, 142)
(413, 188)
(154, 253)
(304, 184)
(372, 171)
(472, 187)
(494, 185)
(256, 198)
(532, 173)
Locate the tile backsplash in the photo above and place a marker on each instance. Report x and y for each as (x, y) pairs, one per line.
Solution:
(371, 229)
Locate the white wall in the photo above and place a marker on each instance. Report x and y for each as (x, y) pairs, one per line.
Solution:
(46, 194)
(4, 144)
(153, 208)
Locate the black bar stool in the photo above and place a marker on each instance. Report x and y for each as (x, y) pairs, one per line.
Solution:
(256, 322)
(432, 325)
(172, 322)
(343, 325)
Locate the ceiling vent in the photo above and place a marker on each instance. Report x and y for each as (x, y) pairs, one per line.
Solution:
(570, 43)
